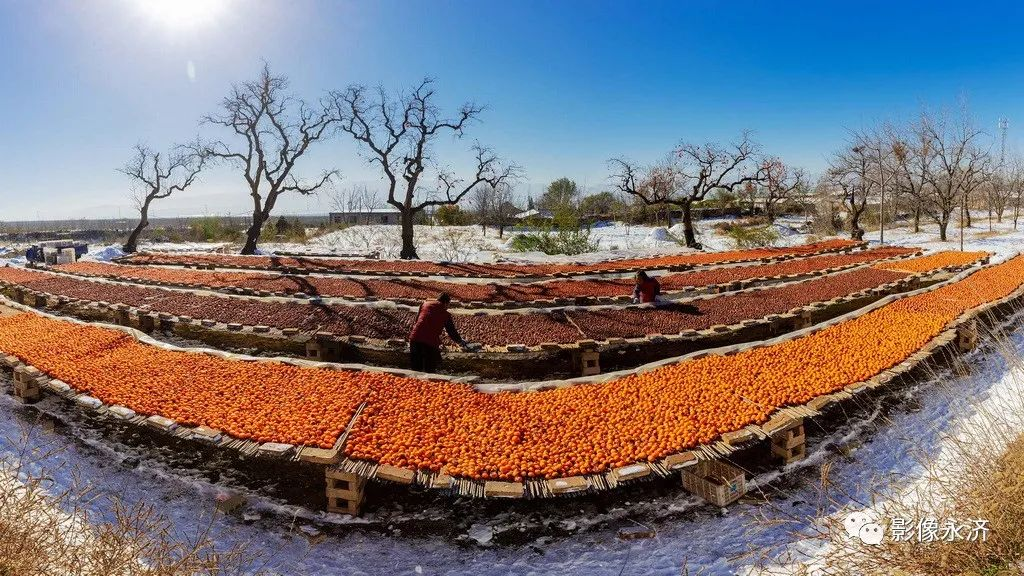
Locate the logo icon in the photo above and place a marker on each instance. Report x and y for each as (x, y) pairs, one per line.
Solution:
(862, 526)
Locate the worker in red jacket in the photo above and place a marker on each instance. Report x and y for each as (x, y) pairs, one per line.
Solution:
(647, 288)
(425, 337)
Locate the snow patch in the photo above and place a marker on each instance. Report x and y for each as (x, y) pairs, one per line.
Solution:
(481, 533)
(104, 253)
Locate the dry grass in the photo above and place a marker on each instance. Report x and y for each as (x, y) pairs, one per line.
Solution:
(979, 474)
(53, 534)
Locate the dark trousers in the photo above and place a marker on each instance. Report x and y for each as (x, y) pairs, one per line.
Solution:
(424, 357)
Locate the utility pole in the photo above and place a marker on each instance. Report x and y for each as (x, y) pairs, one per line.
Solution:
(963, 204)
(1000, 172)
(881, 195)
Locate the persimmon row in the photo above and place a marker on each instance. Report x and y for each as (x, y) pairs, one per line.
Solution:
(265, 402)
(497, 329)
(505, 270)
(450, 427)
(646, 416)
(417, 289)
(933, 261)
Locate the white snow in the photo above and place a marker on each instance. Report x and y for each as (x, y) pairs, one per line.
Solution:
(104, 253)
(1003, 240)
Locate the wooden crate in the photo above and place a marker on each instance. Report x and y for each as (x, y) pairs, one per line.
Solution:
(27, 392)
(323, 350)
(589, 362)
(790, 444)
(967, 336)
(344, 491)
(715, 481)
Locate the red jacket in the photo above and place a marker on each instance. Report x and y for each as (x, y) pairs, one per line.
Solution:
(431, 319)
(647, 290)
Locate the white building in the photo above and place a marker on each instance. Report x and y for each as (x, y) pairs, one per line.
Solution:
(374, 216)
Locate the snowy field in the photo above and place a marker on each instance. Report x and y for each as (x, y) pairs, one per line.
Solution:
(473, 244)
(613, 240)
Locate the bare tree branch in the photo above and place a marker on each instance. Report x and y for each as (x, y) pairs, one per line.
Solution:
(398, 133)
(273, 130)
(158, 176)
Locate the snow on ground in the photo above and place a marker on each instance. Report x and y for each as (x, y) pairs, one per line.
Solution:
(1003, 240)
(472, 244)
(104, 253)
(883, 446)
(884, 442)
(995, 416)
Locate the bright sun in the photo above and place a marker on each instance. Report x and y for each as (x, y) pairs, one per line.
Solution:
(182, 14)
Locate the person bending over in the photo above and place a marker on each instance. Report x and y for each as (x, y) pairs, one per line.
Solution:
(647, 288)
(425, 337)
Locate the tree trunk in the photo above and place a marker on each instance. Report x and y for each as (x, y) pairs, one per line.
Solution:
(133, 239)
(688, 233)
(408, 247)
(252, 235)
(967, 212)
(917, 219)
(943, 226)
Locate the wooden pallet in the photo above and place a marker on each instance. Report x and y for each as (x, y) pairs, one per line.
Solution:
(344, 491)
(790, 444)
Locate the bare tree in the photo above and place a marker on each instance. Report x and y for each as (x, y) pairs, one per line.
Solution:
(849, 179)
(959, 168)
(696, 171)
(656, 185)
(998, 194)
(398, 134)
(1015, 182)
(504, 208)
(780, 183)
(913, 157)
(157, 176)
(273, 130)
(483, 200)
(358, 200)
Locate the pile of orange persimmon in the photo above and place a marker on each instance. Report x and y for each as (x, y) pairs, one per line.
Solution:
(260, 401)
(448, 426)
(933, 261)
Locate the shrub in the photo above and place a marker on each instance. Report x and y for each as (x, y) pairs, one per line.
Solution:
(284, 230)
(451, 215)
(562, 241)
(211, 229)
(564, 235)
(753, 236)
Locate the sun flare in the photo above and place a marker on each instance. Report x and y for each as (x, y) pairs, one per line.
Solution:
(182, 14)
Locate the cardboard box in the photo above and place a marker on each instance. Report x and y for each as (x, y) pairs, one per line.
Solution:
(715, 481)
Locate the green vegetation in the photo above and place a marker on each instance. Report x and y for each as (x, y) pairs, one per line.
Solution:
(750, 233)
(451, 215)
(212, 229)
(564, 235)
(283, 230)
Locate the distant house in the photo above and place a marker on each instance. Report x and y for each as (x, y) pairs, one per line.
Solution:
(533, 215)
(373, 216)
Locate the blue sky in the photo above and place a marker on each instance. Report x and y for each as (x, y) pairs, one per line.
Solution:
(567, 85)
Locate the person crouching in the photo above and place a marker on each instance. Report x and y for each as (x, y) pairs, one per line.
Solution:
(647, 288)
